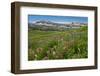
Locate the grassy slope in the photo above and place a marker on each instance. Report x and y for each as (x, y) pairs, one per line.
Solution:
(69, 44)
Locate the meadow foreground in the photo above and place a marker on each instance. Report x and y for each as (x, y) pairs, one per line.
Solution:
(67, 44)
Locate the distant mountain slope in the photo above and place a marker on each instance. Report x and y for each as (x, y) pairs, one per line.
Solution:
(48, 25)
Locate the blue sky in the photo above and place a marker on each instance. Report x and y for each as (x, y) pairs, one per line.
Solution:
(62, 19)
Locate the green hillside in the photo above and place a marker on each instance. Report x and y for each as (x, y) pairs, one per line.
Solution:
(68, 44)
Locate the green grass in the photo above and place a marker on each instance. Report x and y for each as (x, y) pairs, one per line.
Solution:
(69, 44)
